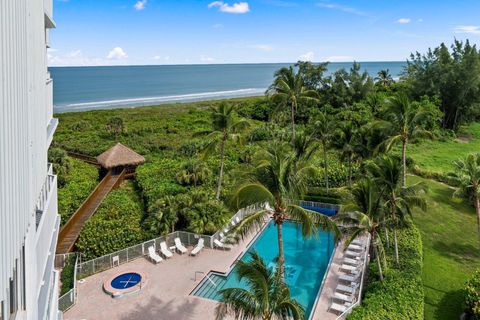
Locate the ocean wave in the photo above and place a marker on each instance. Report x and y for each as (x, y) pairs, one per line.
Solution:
(146, 101)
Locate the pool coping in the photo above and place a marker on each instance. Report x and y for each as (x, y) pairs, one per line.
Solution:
(320, 290)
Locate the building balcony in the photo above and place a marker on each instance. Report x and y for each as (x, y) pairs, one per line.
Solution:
(48, 10)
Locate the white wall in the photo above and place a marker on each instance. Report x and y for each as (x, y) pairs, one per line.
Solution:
(24, 116)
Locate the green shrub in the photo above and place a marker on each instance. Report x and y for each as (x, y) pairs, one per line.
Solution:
(448, 178)
(68, 272)
(116, 224)
(78, 184)
(400, 296)
(472, 297)
(256, 109)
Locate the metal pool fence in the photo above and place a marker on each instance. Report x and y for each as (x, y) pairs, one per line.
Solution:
(67, 300)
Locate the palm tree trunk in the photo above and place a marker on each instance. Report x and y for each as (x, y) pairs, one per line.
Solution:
(377, 257)
(222, 162)
(350, 172)
(404, 163)
(281, 255)
(396, 245)
(293, 121)
(325, 164)
(387, 238)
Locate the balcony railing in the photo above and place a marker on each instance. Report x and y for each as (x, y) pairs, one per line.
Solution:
(52, 126)
(44, 195)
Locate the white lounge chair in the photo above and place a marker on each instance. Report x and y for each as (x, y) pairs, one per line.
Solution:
(353, 262)
(343, 297)
(220, 244)
(197, 248)
(179, 246)
(347, 289)
(358, 242)
(164, 250)
(355, 247)
(349, 278)
(153, 255)
(340, 308)
(353, 254)
(350, 268)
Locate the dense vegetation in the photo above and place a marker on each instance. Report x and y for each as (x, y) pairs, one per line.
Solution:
(400, 295)
(354, 134)
(472, 296)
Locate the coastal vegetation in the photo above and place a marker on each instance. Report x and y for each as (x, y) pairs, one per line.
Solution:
(341, 138)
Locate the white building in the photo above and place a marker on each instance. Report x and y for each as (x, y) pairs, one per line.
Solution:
(29, 221)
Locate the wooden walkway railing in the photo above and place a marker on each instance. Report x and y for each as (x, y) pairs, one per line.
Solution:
(71, 230)
(83, 157)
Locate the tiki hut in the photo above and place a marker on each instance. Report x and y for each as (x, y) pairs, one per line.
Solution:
(120, 157)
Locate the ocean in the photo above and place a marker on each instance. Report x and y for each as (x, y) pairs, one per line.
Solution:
(89, 88)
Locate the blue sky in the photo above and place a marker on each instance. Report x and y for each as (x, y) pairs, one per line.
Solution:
(123, 32)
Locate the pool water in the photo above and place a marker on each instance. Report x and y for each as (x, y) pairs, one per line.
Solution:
(126, 280)
(306, 262)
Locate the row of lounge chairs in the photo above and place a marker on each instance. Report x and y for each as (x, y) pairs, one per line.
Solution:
(179, 247)
(347, 290)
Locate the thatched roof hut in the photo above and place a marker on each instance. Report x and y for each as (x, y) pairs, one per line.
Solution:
(119, 156)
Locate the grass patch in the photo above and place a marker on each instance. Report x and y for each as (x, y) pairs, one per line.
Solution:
(438, 156)
(451, 249)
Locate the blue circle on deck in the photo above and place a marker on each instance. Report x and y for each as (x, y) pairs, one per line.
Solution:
(126, 280)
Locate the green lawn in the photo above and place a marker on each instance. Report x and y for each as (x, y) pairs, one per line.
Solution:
(438, 156)
(451, 249)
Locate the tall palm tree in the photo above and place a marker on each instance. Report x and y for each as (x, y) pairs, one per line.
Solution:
(324, 131)
(225, 126)
(404, 121)
(400, 200)
(193, 172)
(468, 174)
(347, 139)
(162, 216)
(366, 214)
(266, 297)
(289, 91)
(384, 77)
(275, 181)
(304, 147)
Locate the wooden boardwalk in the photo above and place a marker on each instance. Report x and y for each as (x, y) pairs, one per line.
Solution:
(71, 230)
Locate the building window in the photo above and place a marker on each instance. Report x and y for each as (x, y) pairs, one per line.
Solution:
(14, 292)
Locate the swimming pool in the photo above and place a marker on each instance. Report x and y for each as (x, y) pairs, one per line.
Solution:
(306, 262)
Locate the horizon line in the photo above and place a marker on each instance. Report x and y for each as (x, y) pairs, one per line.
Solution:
(226, 63)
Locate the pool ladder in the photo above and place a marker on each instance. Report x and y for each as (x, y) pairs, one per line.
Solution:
(206, 276)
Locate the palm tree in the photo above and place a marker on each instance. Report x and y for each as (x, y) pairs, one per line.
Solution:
(324, 131)
(366, 214)
(404, 122)
(224, 127)
(60, 161)
(468, 173)
(347, 139)
(266, 297)
(163, 216)
(289, 91)
(304, 147)
(193, 172)
(384, 77)
(399, 200)
(275, 181)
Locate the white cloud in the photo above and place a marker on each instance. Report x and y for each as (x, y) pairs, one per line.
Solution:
(140, 5)
(420, 20)
(262, 47)
(217, 26)
(339, 7)
(339, 59)
(238, 7)
(117, 53)
(157, 58)
(307, 56)
(468, 29)
(205, 58)
(166, 58)
(404, 20)
(73, 58)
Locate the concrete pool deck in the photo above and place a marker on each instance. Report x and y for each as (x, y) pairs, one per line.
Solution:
(167, 293)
